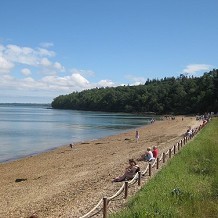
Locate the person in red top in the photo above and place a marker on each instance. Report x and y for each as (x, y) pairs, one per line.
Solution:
(155, 151)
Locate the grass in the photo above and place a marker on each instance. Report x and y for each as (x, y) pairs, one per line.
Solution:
(186, 187)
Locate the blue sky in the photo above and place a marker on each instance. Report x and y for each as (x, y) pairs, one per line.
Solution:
(54, 47)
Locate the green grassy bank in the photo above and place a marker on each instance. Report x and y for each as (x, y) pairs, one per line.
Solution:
(186, 187)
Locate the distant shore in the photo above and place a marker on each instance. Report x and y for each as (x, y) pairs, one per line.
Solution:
(68, 182)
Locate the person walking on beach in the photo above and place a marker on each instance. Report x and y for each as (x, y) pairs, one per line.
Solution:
(137, 136)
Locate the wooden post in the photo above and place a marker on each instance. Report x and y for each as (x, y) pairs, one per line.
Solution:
(149, 169)
(139, 178)
(181, 142)
(184, 141)
(178, 146)
(164, 157)
(104, 207)
(158, 159)
(174, 149)
(170, 153)
(126, 189)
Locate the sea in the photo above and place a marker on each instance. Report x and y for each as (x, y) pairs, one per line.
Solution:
(29, 129)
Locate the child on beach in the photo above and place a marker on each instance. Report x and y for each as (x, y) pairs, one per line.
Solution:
(71, 145)
(129, 173)
(137, 135)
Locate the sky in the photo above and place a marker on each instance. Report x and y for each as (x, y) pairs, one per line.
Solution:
(55, 47)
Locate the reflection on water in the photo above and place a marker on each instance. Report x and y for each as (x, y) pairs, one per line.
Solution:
(28, 129)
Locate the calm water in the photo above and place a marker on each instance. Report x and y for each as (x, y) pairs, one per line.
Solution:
(30, 129)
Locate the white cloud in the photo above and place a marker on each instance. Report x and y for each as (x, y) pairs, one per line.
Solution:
(12, 56)
(86, 73)
(136, 80)
(5, 65)
(6, 78)
(75, 82)
(28, 80)
(20, 55)
(49, 68)
(59, 67)
(26, 72)
(41, 71)
(44, 52)
(46, 44)
(45, 62)
(193, 68)
(80, 80)
(25, 55)
(105, 83)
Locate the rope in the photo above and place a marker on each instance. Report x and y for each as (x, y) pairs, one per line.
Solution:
(132, 181)
(146, 170)
(94, 208)
(161, 157)
(117, 193)
(154, 162)
(172, 149)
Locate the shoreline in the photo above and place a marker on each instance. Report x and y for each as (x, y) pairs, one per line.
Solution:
(65, 182)
(19, 157)
(65, 145)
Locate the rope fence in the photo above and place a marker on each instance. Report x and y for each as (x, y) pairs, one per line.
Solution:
(103, 204)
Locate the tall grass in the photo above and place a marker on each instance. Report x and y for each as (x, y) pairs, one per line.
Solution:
(186, 187)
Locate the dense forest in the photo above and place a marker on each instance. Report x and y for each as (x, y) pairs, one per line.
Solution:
(182, 95)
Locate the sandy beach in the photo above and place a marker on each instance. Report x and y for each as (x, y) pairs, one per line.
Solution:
(68, 182)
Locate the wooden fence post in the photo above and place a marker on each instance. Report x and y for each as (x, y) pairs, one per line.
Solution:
(139, 178)
(181, 143)
(174, 149)
(164, 157)
(178, 146)
(170, 153)
(149, 169)
(104, 207)
(158, 159)
(126, 189)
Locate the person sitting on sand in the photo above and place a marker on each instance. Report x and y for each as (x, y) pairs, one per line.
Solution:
(148, 156)
(155, 151)
(129, 173)
(189, 133)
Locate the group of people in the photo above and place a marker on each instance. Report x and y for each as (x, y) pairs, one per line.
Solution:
(133, 167)
(149, 154)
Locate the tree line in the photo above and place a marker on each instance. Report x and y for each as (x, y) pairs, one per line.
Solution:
(182, 95)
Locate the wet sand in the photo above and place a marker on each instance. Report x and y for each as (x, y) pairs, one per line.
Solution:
(68, 182)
